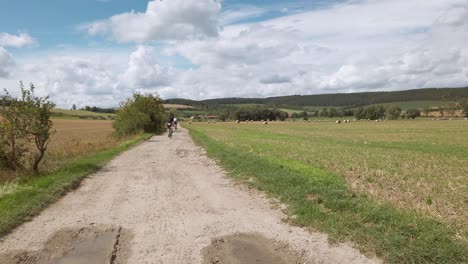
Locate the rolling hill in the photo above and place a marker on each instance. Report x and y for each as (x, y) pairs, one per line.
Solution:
(433, 95)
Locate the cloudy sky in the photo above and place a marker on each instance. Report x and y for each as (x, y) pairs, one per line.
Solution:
(98, 52)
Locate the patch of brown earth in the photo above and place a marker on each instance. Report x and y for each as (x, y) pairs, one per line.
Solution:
(249, 249)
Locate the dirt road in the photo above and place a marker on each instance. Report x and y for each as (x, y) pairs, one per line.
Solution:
(164, 201)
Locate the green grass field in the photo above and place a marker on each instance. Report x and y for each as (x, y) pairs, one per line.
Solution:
(396, 188)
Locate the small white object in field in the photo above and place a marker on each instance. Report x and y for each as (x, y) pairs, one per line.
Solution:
(265, 122)
(237, 121)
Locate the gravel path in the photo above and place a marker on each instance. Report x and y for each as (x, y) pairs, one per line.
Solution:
(164, 201)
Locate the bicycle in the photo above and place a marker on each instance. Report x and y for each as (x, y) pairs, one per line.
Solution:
(170, 131)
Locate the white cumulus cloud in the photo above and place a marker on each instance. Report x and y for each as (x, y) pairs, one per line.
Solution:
(16, 41)
(143, 70)
(7, 64)
(162, 20)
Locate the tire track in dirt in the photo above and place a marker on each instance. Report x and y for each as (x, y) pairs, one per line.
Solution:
(173, 205)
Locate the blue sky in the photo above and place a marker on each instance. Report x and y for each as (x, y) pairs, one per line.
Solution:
(54, 22)
(100, 51)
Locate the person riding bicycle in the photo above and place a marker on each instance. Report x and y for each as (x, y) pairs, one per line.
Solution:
(169, 124)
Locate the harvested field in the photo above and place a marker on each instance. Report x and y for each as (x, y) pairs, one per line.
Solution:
(417, 165)
(74, 138)
(77, 113)
(78, 137)
(395, 188)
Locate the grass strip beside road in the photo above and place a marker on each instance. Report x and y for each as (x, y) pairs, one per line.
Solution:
(322, 201)
(37, 193)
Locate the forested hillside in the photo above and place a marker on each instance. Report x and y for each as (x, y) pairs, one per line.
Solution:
(352, 99)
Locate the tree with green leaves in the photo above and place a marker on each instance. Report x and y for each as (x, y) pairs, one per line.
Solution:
(360, 113)
(26, 120)
(323, 112)
(464, 107)
(332, 112)
(426, 110)
(441, 111)
(412, 113)
(393, 112)
(140, 113)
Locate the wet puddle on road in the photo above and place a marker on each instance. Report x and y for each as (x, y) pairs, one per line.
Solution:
(78, 246)
(248, 249)
(97, 250)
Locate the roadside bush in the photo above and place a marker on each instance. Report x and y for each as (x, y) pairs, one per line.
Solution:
(140, 113)
(371, 112)
(3, 160)
(26, 123)
(393, 112)
(464, 107)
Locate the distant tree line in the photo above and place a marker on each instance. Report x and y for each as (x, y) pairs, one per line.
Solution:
(380, 112)
(98, 109)
(370, 112)
(259, 113)
(241, 113)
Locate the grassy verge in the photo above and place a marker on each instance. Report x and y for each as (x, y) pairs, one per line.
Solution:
(321, 200)
(31, 196)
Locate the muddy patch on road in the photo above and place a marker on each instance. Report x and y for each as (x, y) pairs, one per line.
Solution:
(182, 153)
(84, 245)
(249, 249)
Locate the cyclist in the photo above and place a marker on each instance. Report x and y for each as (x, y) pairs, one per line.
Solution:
(169, 124)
